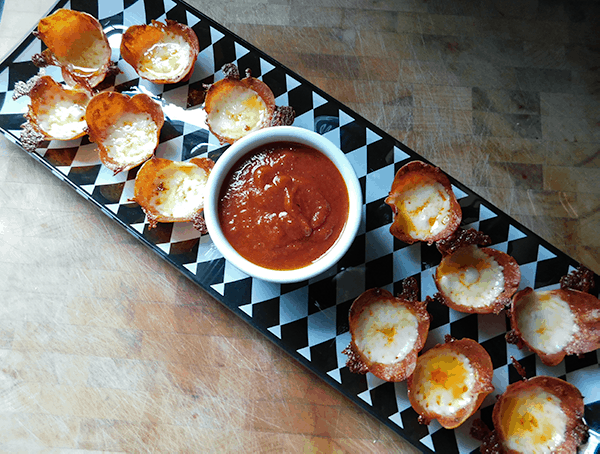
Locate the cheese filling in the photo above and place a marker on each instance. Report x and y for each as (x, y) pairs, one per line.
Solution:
(88, 54)
(470, 277)
(444, 382)
(167, 58)
(424, 209)
(545, 321)
(63, 120)
(533, 422)
(180, 191)
(131, 138)
(386, 333)
(238, 112)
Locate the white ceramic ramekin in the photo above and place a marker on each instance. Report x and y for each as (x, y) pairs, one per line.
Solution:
(253, 141)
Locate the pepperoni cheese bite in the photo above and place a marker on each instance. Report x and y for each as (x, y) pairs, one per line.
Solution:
(555, 323)
(127, 130)
(537, 416)
(170, 191)
(423, 203)
(235, 107)
(387, 334)
(450, 382)
(161, 53)
(77, 44)
(477, 280)
(55, 111)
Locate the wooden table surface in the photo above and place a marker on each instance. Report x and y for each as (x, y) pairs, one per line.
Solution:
(105, 347)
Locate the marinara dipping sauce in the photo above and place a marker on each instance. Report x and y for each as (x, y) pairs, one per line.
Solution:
(283, 205)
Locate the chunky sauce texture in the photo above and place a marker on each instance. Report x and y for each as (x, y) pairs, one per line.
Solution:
(283, 205)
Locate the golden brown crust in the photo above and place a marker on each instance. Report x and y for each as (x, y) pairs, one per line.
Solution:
(571, 403)
(30, 137)
(512, 278)
(585, 308)
(581, 279)
(23, 88)
(410, 289)
(231, 71)
(481, 362)
(462, 237)
(137, 39)
(67, 33)
(418, 171)
(147, 185)
(106, 108)
(355, 363)
(400, 370)
(283, 116)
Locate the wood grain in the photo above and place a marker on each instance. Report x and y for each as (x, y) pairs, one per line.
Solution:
(105, 347)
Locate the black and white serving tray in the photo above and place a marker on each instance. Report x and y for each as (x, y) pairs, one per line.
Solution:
(309, 320)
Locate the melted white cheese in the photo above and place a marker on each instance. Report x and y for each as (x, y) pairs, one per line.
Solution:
(63, 119)
(131, 138)
(386, 333)
(545, 321)
(533, 422)
(88, 55)
(470, 277)
(443, 382)
(425, 208)
(182, 192)
(166, 59)
(238, 112)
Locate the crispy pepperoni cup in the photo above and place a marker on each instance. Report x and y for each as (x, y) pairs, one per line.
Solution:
(541, 414)
(127, 130)
(55, 112)
(236, 107)
(387, 334)
(170, 191)
(77, 44)
(555, 323)
(423, 203)
(450, 382)
(161, 53)
(477, 280)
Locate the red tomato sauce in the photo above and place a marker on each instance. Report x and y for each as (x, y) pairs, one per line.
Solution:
(283, 205)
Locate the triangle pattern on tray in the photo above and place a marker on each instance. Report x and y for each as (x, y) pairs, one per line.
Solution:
(308, 319)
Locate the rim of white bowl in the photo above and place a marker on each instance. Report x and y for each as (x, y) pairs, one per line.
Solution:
(283, 134)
